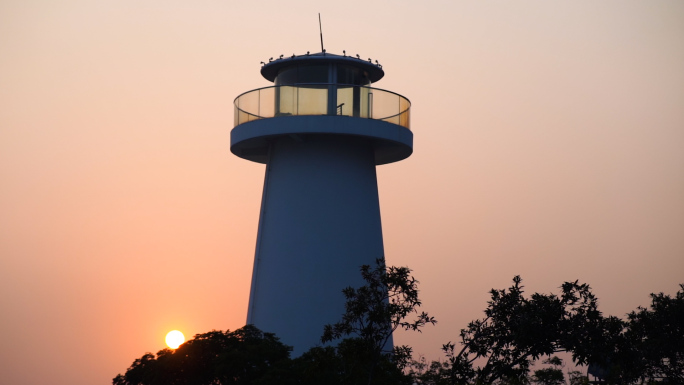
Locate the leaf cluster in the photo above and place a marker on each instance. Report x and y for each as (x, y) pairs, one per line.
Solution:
(378, 308)
(499, 348)
(648, 346)
(375, 310)
(345, 364)
(552, 375)
(239, 357)
(518, 330)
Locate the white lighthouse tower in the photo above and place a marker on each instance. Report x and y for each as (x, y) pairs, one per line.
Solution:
(320, 129)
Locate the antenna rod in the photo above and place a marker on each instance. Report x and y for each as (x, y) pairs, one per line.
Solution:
(320, 28)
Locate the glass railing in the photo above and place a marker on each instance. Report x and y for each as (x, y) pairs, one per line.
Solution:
(315, 99)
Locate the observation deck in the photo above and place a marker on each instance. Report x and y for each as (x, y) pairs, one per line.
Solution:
(322, 94)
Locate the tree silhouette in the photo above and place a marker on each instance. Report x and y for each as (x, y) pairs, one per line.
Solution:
(215, 358)
(659, 332)
(649, 346)
(552, 375)
(646, 348)
(374, 311)
(516, 331)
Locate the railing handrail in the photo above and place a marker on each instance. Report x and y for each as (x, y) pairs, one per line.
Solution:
(303, 85)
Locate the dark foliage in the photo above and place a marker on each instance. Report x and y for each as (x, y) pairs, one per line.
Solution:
(248, 356)
(552, 375)
(659, 334)
(649, 346)
(374, 311)
(345, 364)
(214, 358)
(516, 331)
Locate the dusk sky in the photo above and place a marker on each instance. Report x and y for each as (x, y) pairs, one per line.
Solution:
(548, 142)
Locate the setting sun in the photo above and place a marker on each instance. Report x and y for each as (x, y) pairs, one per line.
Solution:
(174, 339)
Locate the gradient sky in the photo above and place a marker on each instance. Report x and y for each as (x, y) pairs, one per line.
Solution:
(549, 142)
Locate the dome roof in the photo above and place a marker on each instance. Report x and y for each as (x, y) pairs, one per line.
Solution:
(271, 69)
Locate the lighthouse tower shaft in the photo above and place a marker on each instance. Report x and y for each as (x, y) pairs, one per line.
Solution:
(320, 212)
(320, 221)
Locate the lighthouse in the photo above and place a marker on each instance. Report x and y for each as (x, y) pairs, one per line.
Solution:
(321, 129)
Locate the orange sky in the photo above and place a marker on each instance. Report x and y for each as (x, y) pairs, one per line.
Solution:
(548, 143)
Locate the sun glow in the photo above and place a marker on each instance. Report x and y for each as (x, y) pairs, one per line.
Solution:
(174, 339)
